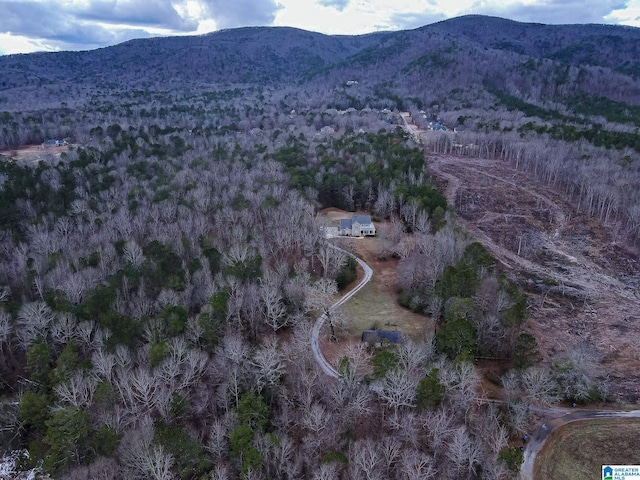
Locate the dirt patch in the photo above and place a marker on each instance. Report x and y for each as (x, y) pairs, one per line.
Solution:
(578, 450)
(32, 154)
(490, 373)
(582, 284)
(335, 214)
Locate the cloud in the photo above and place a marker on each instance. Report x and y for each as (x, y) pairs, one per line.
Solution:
(38, 20)
(237, 13)
(339, 5)
(54, 25)
(80, 24)
(550, 11)
(628, 14)
(156, 13)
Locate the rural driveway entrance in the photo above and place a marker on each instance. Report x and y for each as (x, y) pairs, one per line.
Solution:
(315, 333)
(560, 416)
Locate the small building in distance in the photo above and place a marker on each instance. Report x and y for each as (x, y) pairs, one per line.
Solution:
(327, 131)
(54, 143)
(437, 127)
(378, 337)
(357, 226)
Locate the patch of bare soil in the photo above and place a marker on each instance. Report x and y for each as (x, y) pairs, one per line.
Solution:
(32, 154)
(581, 285)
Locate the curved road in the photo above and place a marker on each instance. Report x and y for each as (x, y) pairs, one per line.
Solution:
(561, 416)
(315, 333)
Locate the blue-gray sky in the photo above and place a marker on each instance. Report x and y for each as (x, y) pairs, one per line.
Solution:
(36, 25)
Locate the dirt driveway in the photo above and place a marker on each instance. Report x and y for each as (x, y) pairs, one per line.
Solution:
(376, 304)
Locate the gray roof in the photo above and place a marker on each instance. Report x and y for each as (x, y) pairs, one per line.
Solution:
(361, 219)
(377, 336)
(345, 223)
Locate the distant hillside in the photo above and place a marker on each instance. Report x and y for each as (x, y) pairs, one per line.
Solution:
(463, 61)
(615, 47)
(541, 64)
(245, 55)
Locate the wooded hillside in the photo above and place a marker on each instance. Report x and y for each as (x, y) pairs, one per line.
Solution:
(161, 270)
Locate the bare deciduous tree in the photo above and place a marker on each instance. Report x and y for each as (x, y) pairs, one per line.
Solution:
(33, 320)
(365, 461)
(416, 465)
(269, 365)
(274, 310)
(217, 442)
(539, 386)
(399, 389)
(331, 260)
(5, 329)
(463, 452)
(77, 391)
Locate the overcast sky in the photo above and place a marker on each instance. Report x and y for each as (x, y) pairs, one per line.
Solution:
(36, 25)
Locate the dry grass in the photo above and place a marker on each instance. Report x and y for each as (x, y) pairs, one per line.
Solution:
(578, 450)
(375, 307)
(376, 304)
(32, 154)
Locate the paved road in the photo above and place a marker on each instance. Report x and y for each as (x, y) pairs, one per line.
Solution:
(315, 333)
(558, 416)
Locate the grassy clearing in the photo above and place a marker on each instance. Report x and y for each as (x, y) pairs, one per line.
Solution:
(578, 450)
(375, 307)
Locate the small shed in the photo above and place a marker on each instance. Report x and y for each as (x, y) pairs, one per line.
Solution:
(378, 337)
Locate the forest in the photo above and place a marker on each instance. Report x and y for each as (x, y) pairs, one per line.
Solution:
(160, 276)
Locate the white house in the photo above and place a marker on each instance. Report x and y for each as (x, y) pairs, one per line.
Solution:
(54, 143)
(357, 226)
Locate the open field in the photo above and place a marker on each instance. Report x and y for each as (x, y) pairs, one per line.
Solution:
(373, 308)
(578, 450)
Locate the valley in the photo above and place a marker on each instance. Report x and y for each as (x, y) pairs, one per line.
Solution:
(162, 272)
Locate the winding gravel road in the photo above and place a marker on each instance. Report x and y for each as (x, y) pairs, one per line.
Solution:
(315, 333)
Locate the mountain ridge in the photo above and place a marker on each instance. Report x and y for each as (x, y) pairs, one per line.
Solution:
(528, 60)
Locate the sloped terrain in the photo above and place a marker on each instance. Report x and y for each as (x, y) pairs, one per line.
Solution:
(582, 286)
(247, 55)
(538, 63)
